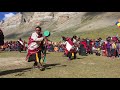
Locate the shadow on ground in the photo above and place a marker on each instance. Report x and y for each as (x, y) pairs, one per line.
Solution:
(80, 58)
(49, 66)
(13, 71)
(22, 70)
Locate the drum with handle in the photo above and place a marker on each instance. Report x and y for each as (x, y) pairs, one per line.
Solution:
(46, 33)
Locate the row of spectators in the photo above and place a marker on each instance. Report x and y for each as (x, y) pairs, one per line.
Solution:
(109, 47)
(15, 45)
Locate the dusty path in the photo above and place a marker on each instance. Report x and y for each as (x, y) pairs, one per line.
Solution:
(12, 63)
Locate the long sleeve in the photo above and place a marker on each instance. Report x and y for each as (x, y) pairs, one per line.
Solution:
(35, 37)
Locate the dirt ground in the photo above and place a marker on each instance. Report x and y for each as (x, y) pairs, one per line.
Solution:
(13, 65)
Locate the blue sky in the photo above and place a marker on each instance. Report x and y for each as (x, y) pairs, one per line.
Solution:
(4, 15)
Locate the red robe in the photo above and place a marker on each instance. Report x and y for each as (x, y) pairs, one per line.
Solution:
(33, 51)
(69, 45)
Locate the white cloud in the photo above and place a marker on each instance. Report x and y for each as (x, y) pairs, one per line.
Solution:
(8, 15)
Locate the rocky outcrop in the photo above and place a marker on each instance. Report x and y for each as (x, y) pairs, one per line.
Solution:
(26, 17)
(24, 22)
(13, 21)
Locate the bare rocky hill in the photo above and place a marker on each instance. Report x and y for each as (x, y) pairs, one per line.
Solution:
(23, 23)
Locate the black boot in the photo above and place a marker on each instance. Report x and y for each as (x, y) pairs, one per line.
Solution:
(35, 65)
(40, 66)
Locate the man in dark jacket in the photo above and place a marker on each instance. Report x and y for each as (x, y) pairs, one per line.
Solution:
(1, 39)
